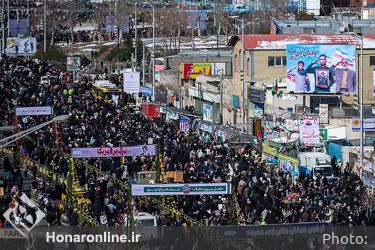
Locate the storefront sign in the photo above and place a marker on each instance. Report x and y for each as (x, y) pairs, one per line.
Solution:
(323, 113)
(207, 127)
(368, 124)
(256, 95)
(73, 63)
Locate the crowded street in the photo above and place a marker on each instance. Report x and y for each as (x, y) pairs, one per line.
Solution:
(238, 125)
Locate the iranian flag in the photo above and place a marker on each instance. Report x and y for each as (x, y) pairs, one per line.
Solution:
(341, 54)
(275, 88)
(283, 127)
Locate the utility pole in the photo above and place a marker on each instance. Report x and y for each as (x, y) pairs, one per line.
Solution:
(243, 70)
(180, 90)
(360, 92)
(135, 37)
(216, 26)
(153, 52)
(118, 31)
(8, 15)
(191, 24)
(44, 26)
(3, 27)
(143, 64)
(221, 97)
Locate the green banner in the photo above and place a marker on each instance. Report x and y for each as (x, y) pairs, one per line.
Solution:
(181, 189)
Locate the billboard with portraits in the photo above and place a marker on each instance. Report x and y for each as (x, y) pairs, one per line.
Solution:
(321, 68)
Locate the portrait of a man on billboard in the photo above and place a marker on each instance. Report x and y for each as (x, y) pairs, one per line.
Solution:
(316, 68)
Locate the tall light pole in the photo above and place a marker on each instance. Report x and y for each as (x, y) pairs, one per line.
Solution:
(360, 92)
(143, 64)
(44, 26)
(3, 27)
(243, 69)
(8, 16)
(153, 52)
(135, 37)
(117, 9)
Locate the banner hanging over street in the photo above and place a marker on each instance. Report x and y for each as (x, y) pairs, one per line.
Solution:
(21, 46)
(23, 111)
(181, 189)
(114, 152)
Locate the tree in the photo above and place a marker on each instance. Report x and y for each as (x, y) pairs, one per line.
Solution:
(304, 16)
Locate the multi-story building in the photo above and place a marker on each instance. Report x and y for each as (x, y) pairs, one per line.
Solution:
(265, 62)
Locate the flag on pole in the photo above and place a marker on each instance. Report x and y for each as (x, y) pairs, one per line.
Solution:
(275, 88)
(184, 123)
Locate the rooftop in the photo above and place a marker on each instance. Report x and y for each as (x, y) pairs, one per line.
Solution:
(270, 41)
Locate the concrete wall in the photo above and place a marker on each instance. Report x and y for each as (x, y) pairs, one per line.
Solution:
(169, 80)
(274, 102)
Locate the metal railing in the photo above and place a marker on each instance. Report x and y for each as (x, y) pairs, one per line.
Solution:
(57, 178)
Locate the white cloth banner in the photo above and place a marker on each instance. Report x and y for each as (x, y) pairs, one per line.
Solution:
(132, 82)
(114, 152)
(23, 111)
(309, 131)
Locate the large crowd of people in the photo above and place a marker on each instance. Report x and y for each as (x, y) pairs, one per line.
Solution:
(262, 193)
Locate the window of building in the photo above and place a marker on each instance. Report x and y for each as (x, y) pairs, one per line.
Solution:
(236, 61)
(276, 61)
(248, 66)
(239, 60)
(372, 60)
(271, 61)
